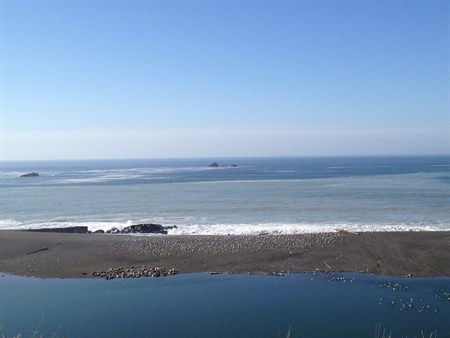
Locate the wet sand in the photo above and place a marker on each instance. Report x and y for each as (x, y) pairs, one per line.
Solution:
(413, 254)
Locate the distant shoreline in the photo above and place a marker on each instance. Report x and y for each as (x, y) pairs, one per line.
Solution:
(61, 255)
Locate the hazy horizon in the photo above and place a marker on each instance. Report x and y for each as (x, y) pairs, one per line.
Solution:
(212, 159)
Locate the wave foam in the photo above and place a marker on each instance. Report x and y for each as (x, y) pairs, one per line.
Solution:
(230, 229)
(285, 229)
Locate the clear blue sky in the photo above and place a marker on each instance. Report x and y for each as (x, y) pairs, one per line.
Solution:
(143, 79)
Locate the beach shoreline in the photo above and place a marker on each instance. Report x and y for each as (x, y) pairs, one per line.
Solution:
(61, 255)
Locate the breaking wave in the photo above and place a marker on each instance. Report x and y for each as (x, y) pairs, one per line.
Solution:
(232, 229)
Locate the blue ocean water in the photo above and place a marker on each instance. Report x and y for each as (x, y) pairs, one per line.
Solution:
(200, 305)
(274, 195)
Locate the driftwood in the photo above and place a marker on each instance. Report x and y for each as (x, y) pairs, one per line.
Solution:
(39, 250)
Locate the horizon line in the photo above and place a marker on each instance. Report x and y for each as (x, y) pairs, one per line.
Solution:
(226, 157)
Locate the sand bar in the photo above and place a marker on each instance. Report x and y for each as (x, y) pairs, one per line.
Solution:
(416, 254)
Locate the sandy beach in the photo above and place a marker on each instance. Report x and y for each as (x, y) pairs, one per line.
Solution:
(412, 254)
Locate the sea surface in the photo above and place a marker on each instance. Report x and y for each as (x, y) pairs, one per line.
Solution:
(260, 195)
(200, 305)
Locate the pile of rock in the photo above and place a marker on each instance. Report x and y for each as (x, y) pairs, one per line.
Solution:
(133, 272)
(67, 230)
(217, 165)
(142, 229)
(33, 174)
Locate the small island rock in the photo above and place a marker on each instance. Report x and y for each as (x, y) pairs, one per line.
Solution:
(214, 165)
(33, 174)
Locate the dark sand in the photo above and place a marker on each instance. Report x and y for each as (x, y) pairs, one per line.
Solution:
(78, 255)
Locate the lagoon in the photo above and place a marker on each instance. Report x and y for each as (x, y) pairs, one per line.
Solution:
(203, 305)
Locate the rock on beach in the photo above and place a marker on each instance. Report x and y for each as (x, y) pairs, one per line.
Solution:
(133, 272)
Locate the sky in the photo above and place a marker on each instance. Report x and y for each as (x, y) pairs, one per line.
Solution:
(179, 79)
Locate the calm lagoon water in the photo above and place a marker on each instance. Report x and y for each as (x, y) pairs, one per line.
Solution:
(201, 305)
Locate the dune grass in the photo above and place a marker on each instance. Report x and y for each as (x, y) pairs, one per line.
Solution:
(383, 334)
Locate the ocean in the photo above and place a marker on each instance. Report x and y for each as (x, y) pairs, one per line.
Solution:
(258, 195)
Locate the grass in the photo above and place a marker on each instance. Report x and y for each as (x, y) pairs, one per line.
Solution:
(379, 333)
(34, 334)
(382, 334)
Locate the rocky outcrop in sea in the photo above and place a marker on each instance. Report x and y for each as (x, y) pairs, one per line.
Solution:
(67, 230)
(142, 229)
(33, 174)
(132, 229)
(217, 165)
